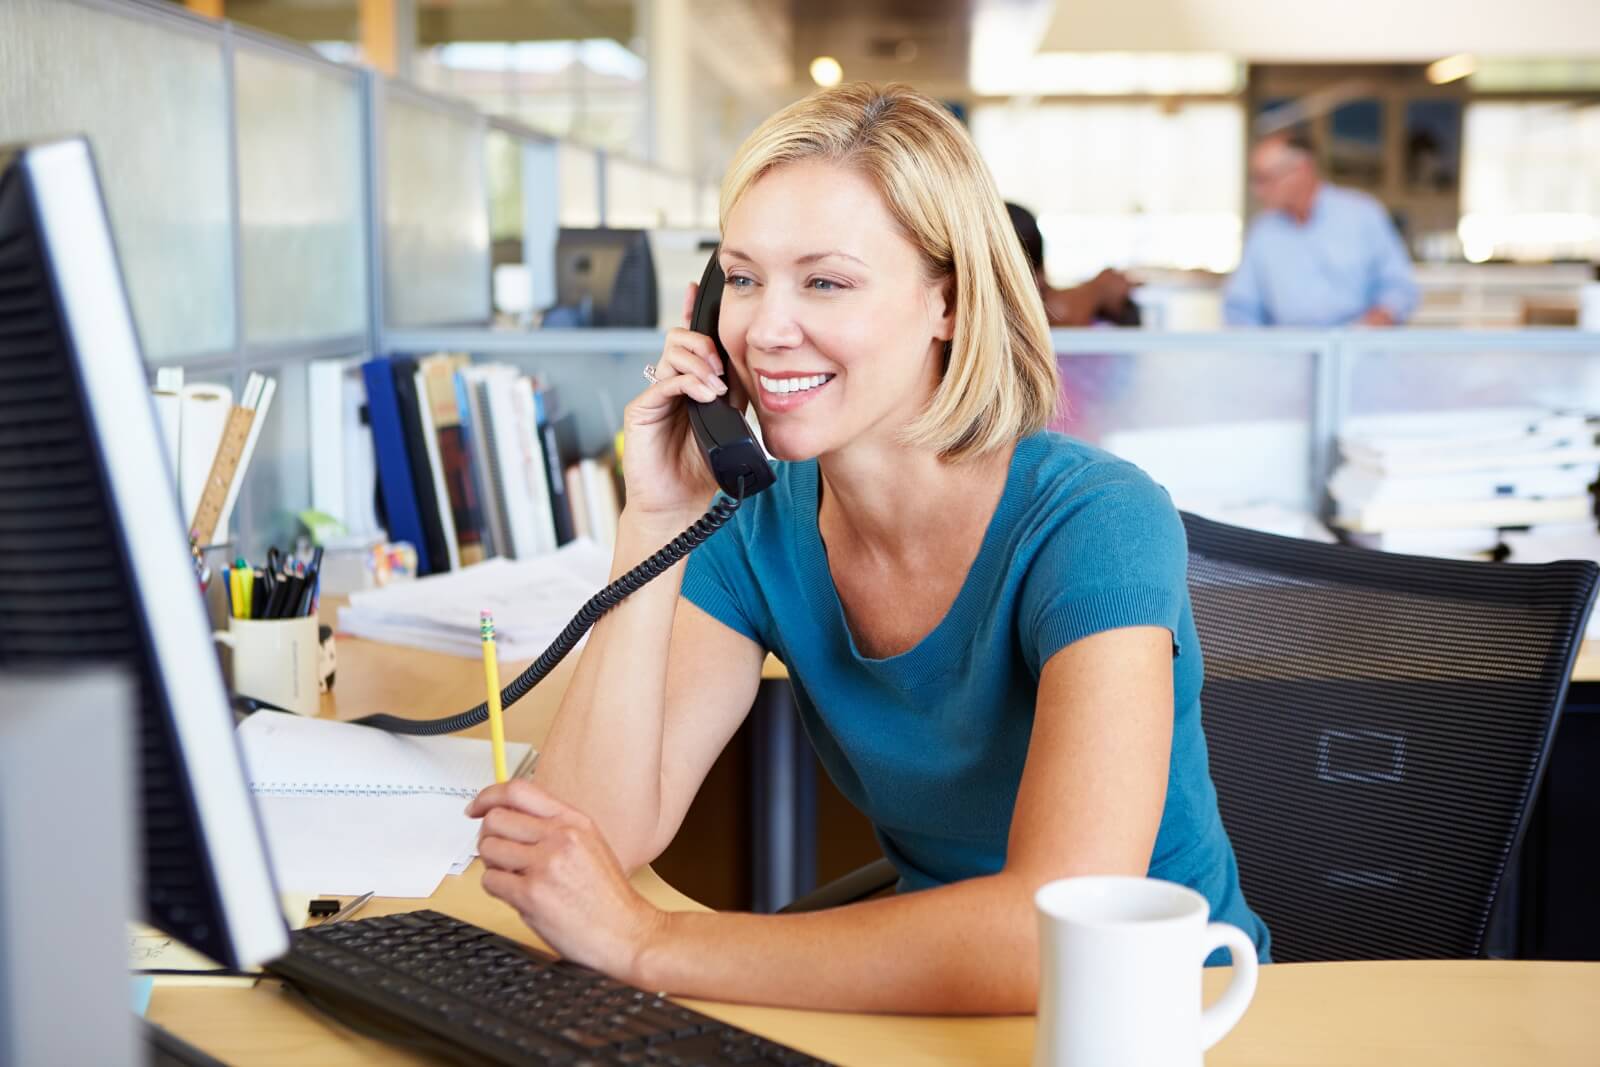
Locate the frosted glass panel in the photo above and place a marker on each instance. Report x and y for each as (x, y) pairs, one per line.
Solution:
(278, 485)
(436, 216)
(1394, 382)
(1218, 429)
(150, 97)
(303, 252)
(578, 175)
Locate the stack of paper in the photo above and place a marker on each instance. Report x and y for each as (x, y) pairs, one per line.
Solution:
(1447, 483)
(532, 601)
(350, 809)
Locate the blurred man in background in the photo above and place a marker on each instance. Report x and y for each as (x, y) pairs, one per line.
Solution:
(1317, 255)
(1107, 297)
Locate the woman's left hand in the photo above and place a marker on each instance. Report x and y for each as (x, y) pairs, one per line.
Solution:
(549, 861)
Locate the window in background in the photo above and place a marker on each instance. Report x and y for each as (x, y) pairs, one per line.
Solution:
(153, 105)
(594, 91)
(578, 174)
(1531, 181)
(1122, 184)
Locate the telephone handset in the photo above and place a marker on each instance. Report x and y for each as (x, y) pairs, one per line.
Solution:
(741, 468)
(736, 458)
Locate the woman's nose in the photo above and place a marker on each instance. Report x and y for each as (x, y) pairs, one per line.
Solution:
(774, 326)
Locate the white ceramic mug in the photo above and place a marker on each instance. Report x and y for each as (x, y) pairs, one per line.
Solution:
(1120, 961)
(275, 660)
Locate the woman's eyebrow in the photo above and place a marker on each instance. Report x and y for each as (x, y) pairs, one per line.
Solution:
(809, 257)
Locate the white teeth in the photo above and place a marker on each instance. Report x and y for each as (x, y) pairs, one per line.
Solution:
(792, 385)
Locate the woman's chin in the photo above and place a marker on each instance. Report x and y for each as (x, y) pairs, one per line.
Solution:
(789, 446)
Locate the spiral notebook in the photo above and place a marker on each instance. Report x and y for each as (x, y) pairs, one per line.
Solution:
(349, 809)
(291, 755)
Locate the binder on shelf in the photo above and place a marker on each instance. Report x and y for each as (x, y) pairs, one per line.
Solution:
(416, 451)
(403, 520)
(436, 482)
(436, 381)
(468, 401)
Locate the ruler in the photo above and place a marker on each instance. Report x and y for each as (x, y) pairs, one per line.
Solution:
(223, 467)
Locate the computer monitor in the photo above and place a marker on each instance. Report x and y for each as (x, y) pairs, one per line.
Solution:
(94, 567)
(604, 278)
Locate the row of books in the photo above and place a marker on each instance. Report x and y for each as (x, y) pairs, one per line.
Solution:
(1467, 483)
(472, 462)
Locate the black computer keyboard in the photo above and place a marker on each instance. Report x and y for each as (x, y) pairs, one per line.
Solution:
(473, 996)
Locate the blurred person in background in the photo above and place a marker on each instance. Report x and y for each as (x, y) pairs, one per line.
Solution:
(1318, 254)
(1107, 297)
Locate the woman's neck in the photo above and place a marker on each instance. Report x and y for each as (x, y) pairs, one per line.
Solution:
(890, 500)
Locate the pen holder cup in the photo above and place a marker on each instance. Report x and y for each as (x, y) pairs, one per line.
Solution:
(277, 661)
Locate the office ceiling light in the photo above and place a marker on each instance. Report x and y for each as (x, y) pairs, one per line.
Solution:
(1451, 68)
(826, 71)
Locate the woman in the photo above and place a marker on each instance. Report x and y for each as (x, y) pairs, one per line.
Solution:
(987, 626)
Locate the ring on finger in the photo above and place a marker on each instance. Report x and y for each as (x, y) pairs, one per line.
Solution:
(650, 373)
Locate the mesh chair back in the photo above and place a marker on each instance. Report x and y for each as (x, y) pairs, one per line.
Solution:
(1377, 726)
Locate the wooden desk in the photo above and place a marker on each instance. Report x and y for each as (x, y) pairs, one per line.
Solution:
(1587, 669)
(1458, 1014)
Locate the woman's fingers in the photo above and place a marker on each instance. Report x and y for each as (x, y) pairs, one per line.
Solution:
(518, 794)
(688, 301)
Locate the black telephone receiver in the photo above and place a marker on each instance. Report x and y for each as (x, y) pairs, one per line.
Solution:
(737, 460)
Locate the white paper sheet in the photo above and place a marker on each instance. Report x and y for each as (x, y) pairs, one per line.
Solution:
(532, 601)
(398, 846)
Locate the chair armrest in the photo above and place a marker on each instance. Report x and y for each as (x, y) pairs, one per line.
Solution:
(859, 884)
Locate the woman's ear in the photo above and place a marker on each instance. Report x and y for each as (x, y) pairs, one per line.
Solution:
(944, 296)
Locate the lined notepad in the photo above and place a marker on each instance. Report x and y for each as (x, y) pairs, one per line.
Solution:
(349, 809)
(291, 755)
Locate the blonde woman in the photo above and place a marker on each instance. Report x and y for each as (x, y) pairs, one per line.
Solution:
(987, 625)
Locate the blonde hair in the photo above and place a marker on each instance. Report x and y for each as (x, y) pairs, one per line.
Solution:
(1000, 380)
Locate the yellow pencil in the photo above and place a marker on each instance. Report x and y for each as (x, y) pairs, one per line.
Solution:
(491, 676)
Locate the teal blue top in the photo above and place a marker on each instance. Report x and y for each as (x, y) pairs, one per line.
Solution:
(930, 743)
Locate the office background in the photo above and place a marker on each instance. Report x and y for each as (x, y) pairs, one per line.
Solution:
(301, 183)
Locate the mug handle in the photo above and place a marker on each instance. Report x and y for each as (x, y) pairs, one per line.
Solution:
(1221, 1017)
(224, 637)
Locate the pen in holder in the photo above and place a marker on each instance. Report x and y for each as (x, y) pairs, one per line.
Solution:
(276, 660)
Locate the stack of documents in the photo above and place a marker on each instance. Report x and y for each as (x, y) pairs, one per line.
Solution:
(1448, 483)
(350, 809)
(532, 601)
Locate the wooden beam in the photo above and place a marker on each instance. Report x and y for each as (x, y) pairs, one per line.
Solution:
(209, 8)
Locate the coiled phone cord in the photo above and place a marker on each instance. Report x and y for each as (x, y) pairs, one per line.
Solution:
(588, 615)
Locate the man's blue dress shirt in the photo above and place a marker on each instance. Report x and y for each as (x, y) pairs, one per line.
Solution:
(1346, 259)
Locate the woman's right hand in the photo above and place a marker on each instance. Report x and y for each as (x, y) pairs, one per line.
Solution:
(666, 475)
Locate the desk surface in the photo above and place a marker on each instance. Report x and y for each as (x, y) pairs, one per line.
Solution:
(1587, 669)
(1456, 1013)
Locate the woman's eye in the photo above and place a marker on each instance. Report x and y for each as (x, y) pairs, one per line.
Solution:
(739, 281)
(824, 285)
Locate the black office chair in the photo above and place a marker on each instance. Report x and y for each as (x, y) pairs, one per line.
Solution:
(1377, 726)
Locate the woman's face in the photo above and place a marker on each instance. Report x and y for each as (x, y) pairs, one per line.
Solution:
(827, 317)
